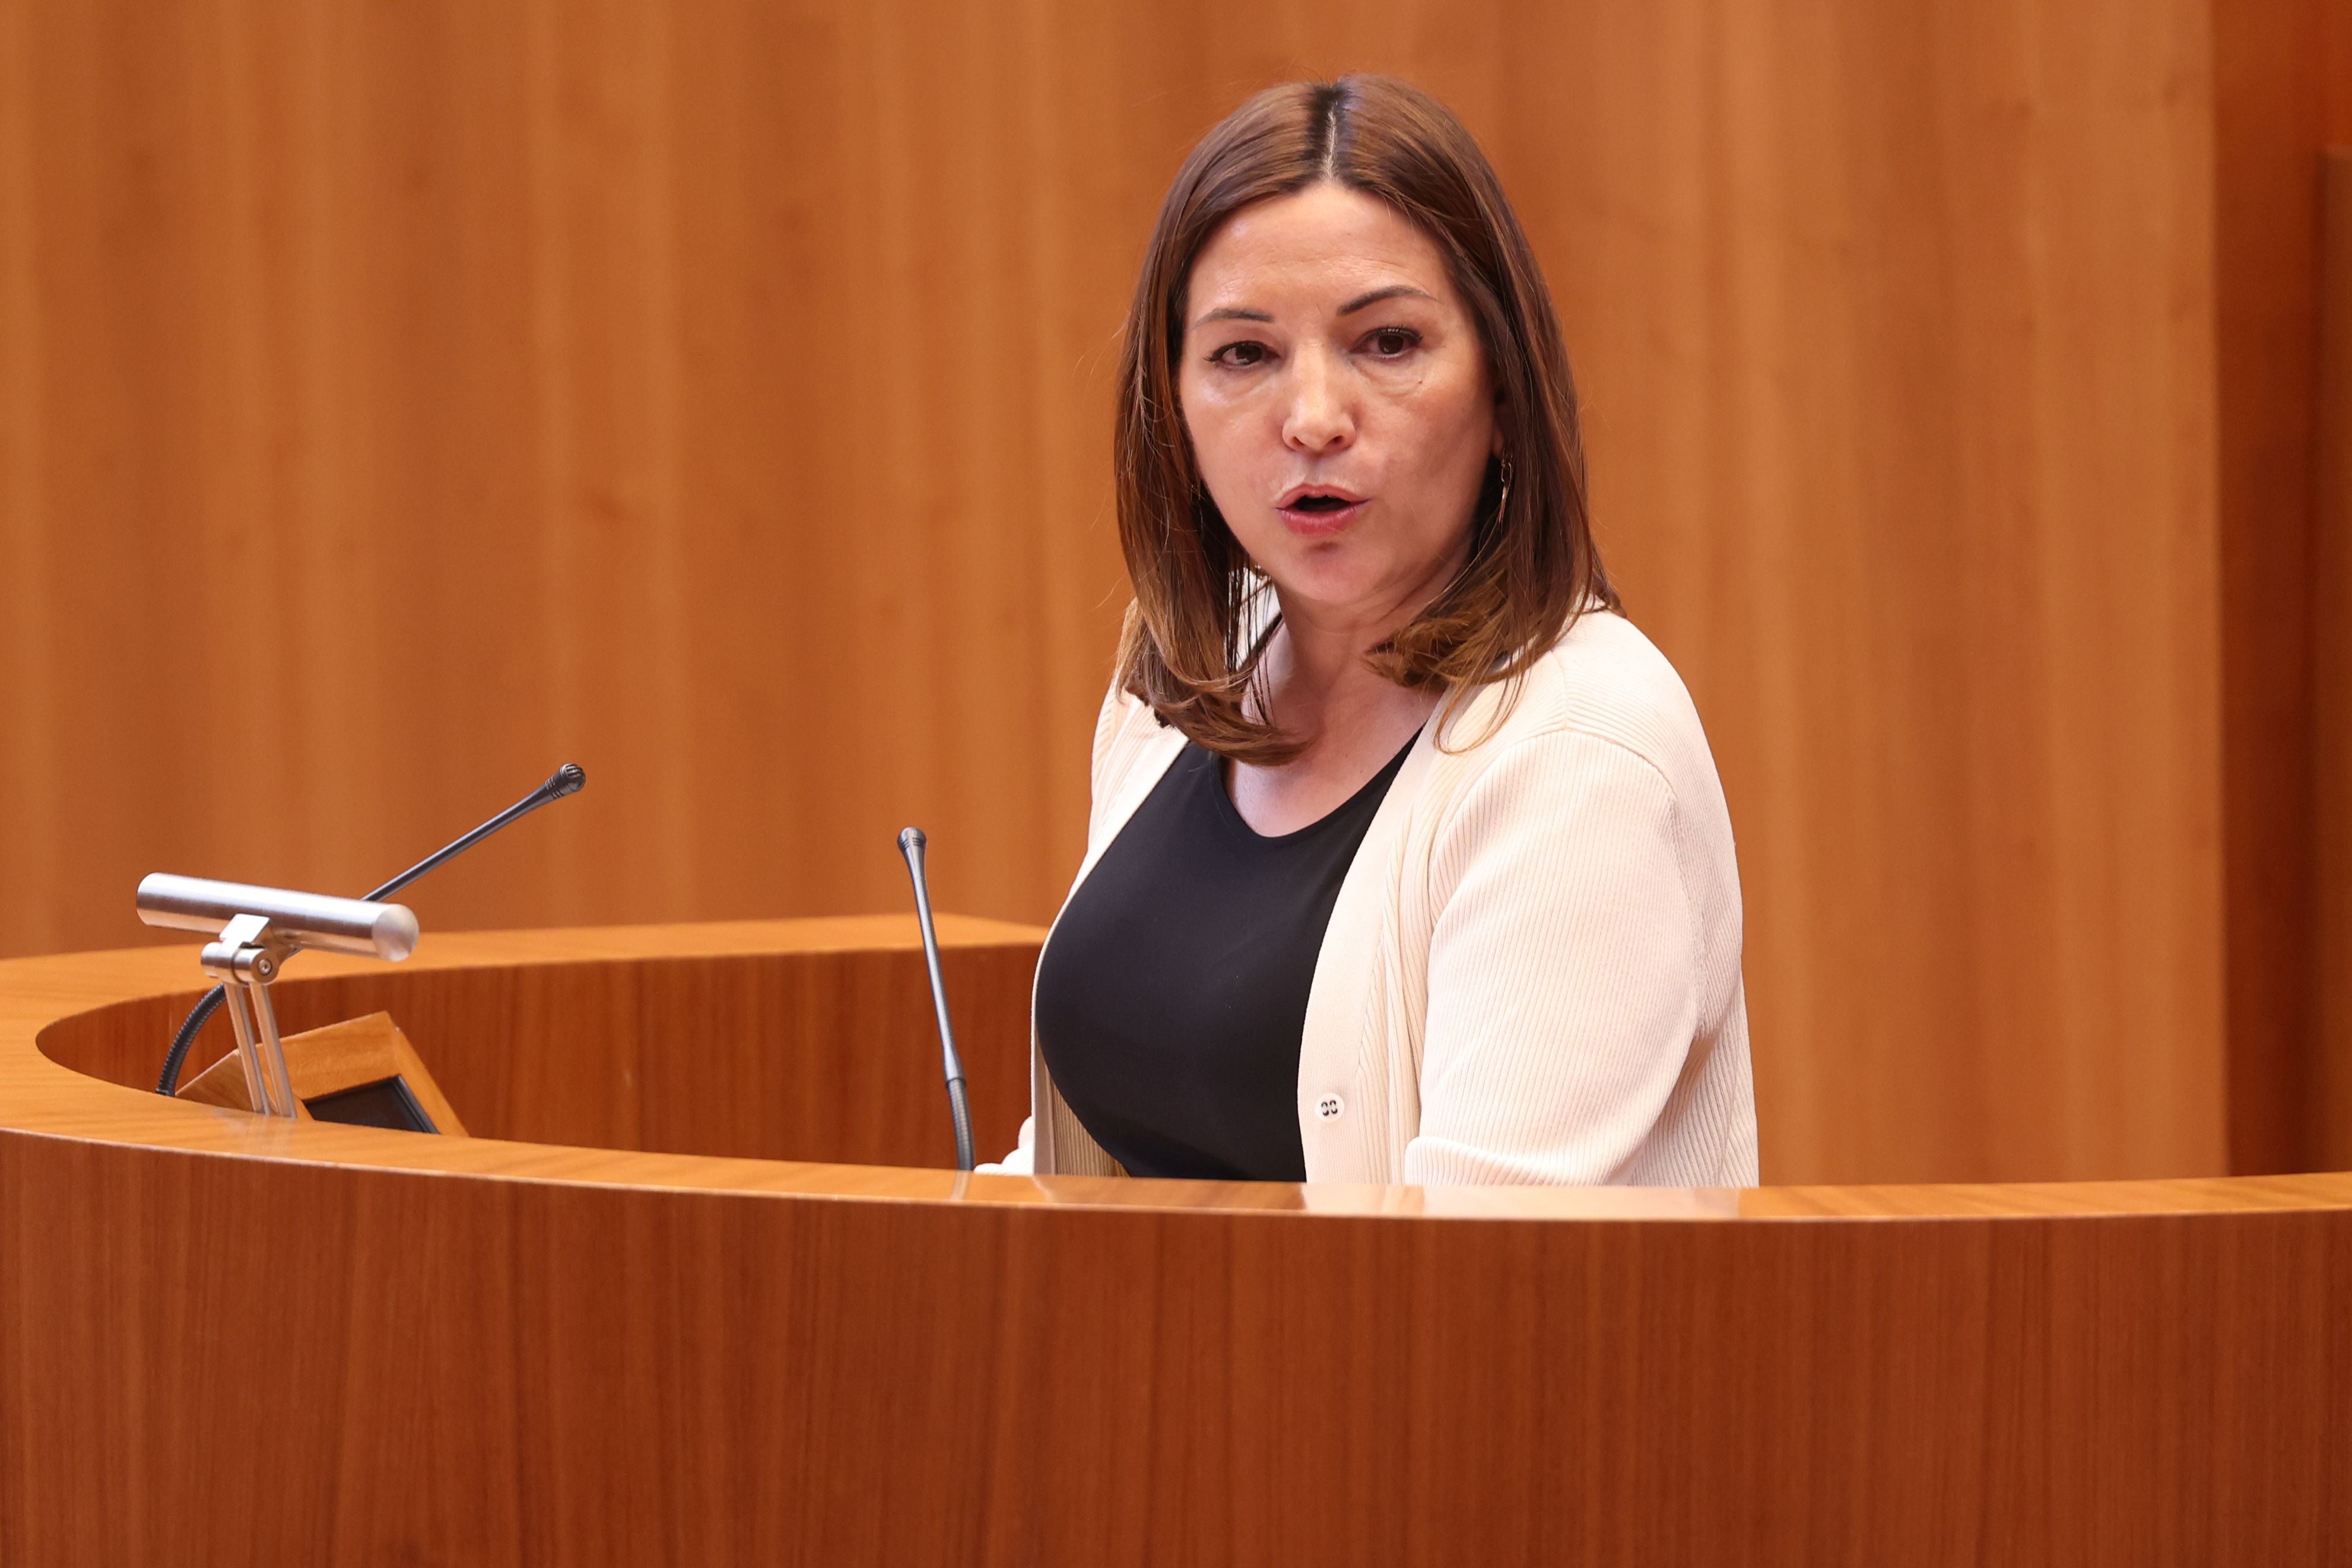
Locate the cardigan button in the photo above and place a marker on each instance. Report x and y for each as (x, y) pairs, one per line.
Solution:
(1328, 1108)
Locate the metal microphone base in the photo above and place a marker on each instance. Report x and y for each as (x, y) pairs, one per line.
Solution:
(246, 960)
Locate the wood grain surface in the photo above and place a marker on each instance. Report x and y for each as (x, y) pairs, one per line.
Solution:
(395, 401)
(806, 1040)
(2282, 92)
(479, 1350)
(2325, 1089)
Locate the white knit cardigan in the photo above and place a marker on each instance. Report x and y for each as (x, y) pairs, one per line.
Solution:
(1532, 972)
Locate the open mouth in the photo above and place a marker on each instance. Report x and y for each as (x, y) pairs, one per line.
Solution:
(1319, 508)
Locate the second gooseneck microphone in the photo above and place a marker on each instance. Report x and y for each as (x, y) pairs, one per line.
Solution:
(911, 843)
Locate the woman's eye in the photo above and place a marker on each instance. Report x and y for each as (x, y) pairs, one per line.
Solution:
(1394, 342)
(1239, 356)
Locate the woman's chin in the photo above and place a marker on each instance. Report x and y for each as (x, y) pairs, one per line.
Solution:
(1315, 588)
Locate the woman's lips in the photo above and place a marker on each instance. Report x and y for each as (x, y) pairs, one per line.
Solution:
(1320, 522)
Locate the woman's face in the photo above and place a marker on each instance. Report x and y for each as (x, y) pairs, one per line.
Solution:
(1339, 401)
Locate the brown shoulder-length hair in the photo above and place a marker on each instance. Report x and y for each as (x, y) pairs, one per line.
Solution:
(1193, 638)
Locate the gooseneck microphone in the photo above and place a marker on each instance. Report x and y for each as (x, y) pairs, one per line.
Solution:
(565, 780)
(910, 844)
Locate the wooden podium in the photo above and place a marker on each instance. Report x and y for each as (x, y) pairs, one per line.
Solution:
(690, 1295)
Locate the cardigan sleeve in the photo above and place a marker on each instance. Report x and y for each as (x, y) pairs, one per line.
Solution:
(1564, 963)
(1021, 1162)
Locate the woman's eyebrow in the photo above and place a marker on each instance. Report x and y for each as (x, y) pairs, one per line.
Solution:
(1393, 291)
(1230, 313)
(1361, 302)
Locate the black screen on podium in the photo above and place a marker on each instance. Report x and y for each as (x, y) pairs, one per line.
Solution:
(387, 1102)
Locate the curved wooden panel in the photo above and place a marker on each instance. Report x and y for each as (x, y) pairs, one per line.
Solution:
(225, 1340)
(759, 1041)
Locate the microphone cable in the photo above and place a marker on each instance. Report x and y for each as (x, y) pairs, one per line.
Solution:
(565, 780)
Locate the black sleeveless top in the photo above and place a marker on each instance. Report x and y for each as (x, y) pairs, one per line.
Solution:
(1172, 996)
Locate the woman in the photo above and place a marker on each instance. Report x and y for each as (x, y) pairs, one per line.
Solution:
(1408, 860)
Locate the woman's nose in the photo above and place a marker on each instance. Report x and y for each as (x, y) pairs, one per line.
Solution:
(1318, 418)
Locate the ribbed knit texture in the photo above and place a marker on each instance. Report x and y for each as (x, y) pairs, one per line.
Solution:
(1532, 973)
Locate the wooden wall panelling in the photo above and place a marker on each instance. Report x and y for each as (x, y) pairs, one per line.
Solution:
(717, 394)
(1900, 405)
(641, 387)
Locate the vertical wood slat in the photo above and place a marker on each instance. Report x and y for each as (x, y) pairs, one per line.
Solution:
(2281, 91)
(2327, 1103)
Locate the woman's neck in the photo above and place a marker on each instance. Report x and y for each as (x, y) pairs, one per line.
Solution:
(1351, 718)
(1317, 675)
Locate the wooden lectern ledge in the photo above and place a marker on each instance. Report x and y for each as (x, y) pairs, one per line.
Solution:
(92, 1014)
(696, 1290)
